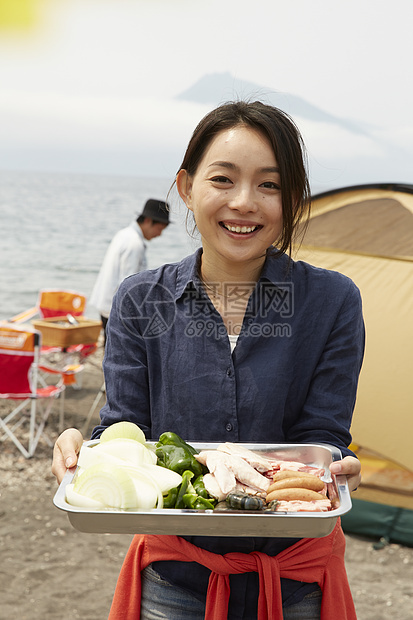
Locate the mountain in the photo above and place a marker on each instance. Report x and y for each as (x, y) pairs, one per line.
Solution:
(341, 151)
(216, 88)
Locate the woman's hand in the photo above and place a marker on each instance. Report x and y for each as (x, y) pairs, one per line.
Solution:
(350, 467)
(65, 452)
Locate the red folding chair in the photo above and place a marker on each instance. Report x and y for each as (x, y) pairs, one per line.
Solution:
(55, 303)
(20, 383)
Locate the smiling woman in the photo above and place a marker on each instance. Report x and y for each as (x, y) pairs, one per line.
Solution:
(235, 199)
(249, 346)
(243, 199)
(275, 136)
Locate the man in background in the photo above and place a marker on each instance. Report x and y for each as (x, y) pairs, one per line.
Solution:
(126, 255)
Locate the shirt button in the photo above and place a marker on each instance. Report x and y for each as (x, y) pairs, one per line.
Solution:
(228, 427)
(229, 372)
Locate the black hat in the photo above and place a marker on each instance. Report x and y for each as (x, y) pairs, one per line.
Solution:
(157, 210)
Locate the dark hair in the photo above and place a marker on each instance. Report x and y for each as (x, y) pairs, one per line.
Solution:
(287, 143)
(141, 218)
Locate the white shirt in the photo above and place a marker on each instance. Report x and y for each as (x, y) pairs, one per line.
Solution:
(233, 341)
(125, 255)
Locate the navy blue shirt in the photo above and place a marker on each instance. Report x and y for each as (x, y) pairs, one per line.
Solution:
(292, 377)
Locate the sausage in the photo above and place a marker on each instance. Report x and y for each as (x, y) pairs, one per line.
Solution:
(305, 495)
(280, 475)
(314, 484)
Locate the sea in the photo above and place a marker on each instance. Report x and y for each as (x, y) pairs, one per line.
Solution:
(55, 229)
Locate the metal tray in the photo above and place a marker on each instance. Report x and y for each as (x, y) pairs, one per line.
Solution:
(222, 523)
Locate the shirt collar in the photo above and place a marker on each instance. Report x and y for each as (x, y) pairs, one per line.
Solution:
(277, 270)
(138, 230)
(188, 270)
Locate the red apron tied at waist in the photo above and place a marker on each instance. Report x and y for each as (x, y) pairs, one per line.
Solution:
(310, 560)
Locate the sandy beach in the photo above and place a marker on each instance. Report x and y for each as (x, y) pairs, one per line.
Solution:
(50, 571)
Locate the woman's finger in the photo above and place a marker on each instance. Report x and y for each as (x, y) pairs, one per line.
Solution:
(350, 467)
(65, 452)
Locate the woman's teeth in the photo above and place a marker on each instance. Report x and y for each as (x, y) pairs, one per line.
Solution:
(240, 229)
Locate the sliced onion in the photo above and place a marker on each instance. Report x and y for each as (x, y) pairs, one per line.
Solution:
(123, 430)
(89, 456)
(107, 484)
(82, 501)
(133, 452)
(152, 450)
(120, 473)
(148, 491)
(165, 478)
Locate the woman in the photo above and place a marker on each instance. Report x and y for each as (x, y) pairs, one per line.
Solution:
(235, 343)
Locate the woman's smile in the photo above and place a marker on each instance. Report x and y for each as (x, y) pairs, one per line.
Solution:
(239, 228)
(235, 196)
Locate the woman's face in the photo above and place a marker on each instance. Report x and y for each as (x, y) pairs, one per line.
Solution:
(235, 196)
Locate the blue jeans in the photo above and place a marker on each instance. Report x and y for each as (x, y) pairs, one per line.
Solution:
(164, 601)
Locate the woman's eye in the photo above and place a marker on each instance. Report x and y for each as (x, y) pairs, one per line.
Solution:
(220, 179)
(270, 185)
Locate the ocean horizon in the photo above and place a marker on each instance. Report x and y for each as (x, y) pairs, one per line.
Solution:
(56, 228)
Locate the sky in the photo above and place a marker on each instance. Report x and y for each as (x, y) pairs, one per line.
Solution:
(90, 86)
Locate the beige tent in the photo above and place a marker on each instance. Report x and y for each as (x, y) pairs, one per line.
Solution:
(366, 232)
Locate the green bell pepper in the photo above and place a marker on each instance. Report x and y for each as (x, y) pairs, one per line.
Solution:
(177, 455)
(196, 502)
(186, 495)
(199, 487)
(185, 487)
(169, 500)
(174, 458)
(173, 439)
